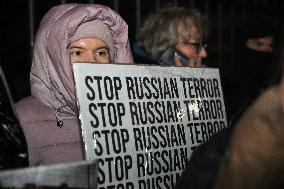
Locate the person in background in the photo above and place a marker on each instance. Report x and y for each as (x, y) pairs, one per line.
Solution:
(68, 33)
(255, 155)
(13, 149)
(249, 153)
(255, 67)
(171, 36)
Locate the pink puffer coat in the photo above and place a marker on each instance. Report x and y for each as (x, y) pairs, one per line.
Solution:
(53, 98)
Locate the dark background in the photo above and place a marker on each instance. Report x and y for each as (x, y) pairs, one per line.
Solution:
(226, 24)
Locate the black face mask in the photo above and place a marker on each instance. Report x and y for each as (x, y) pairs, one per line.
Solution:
(258, 65)
(257, 60)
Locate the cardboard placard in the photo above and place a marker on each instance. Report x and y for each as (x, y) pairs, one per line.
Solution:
(143, 122)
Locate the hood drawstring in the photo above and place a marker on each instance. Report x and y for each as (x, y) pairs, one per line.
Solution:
(58, 117)
(59, 122)
(59, 111)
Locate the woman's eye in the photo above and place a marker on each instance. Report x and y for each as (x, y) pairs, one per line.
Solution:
(102, 52)
(76, 53)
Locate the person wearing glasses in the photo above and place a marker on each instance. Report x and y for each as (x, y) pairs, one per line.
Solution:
(67, 34)
(171, 36)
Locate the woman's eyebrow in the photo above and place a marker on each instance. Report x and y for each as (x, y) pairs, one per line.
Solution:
(75, 46)
(103, 47)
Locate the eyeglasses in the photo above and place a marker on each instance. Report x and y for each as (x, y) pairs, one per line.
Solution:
(197, 46)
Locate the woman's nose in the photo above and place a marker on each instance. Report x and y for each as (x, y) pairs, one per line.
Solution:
(90, 57)
(203, 53)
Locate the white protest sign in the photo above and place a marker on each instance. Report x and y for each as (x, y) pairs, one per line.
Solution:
(143, 122)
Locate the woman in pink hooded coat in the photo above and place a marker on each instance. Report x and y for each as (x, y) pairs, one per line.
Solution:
(49, 117)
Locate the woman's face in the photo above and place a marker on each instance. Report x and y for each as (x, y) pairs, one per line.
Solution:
(89, 50)
(193, 49)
